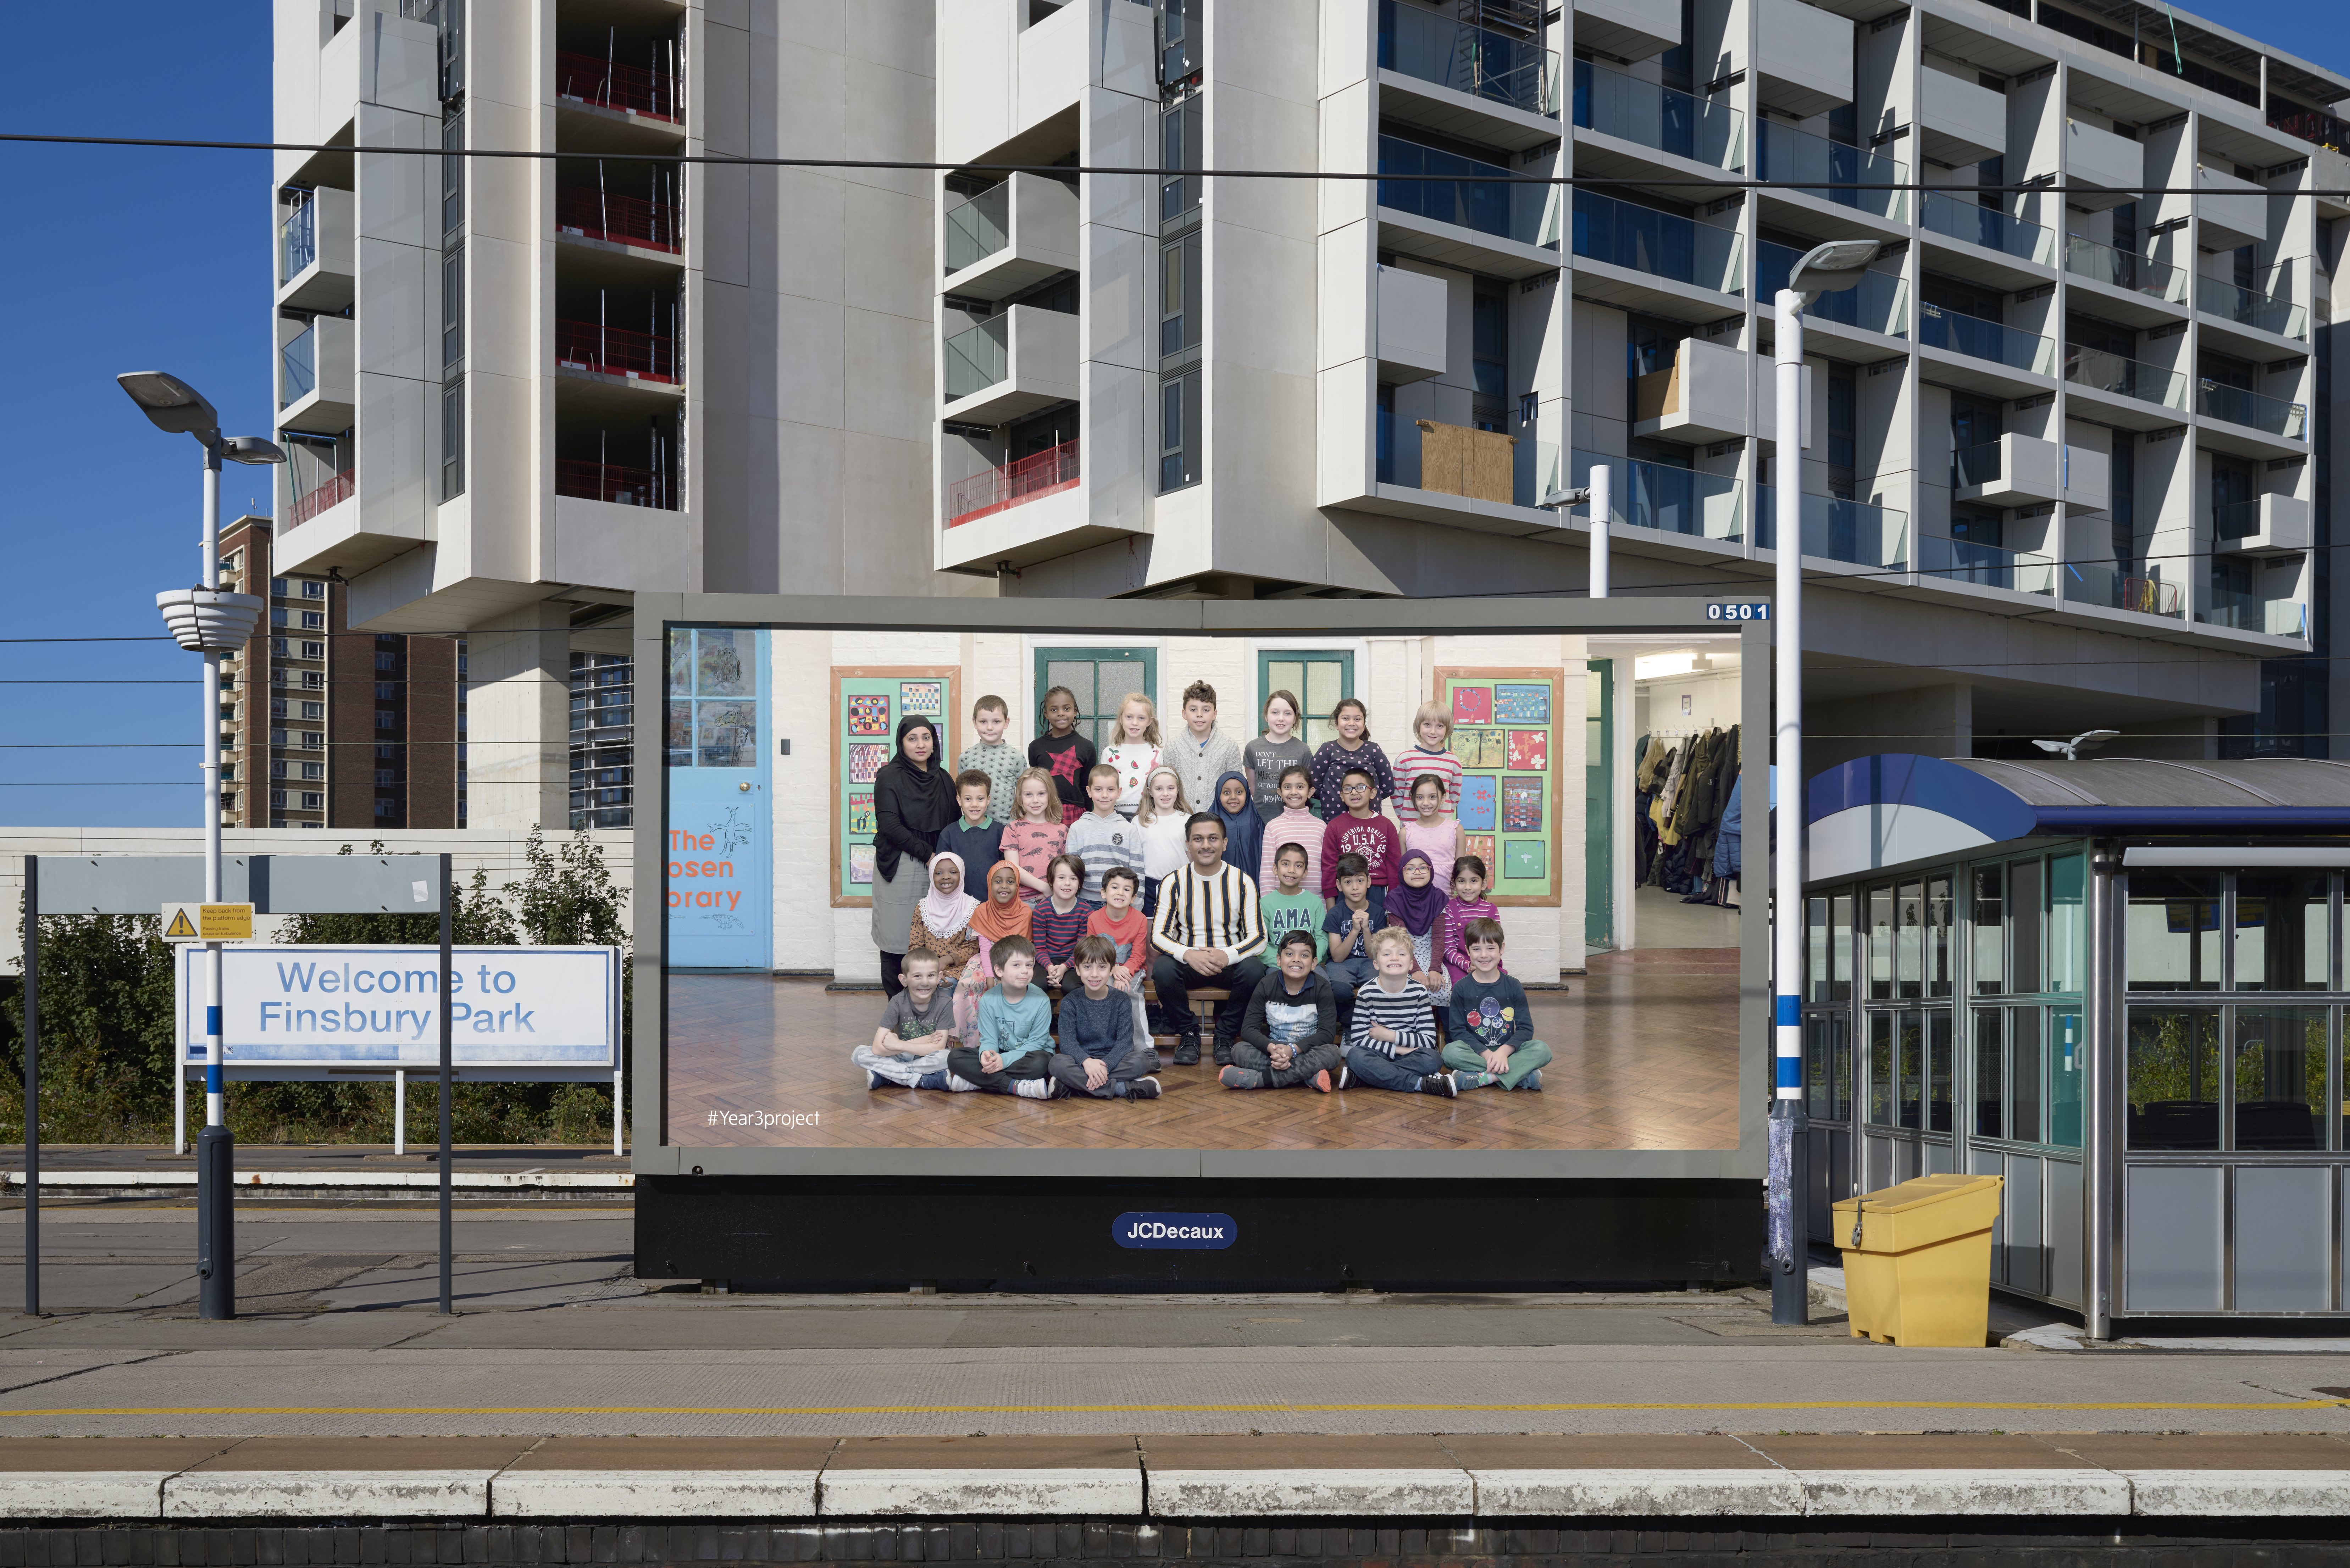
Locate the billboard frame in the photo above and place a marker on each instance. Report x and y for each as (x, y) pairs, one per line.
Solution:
(658, 614)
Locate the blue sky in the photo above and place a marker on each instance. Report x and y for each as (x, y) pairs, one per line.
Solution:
(157, 259)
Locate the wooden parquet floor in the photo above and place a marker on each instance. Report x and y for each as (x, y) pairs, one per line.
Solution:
(1645, 1057)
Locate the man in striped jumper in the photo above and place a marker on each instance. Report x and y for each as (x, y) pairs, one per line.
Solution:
(1208, 932)
(1391, 1043)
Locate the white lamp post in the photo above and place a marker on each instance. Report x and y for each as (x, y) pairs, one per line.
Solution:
(208, 621)
(1838, 265)
(1596, 493)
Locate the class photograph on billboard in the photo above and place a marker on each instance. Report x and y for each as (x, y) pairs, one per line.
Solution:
(1113, 882)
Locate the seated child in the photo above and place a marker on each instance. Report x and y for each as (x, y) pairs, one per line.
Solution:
(1003, 915)
(1361, 831)
(1099, 1056)
(1391, 1043)
(910, 1046)
(1014, 1054)
(1128, 931)
(1360, 910)
(1491, 1038)
(977, 837)
(942, 922)
(1415, 907)
(1035, 833)
(1055, 923)
(1468, 903)
(1290, 1038)
(1288, 907)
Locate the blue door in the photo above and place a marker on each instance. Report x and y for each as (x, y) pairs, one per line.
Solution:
(721, 823)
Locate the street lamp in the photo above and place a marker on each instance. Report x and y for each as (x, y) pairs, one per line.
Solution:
(208, 621)
(1595, 495)
(1824, 269)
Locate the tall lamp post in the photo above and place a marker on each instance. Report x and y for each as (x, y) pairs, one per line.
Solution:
(208, 621)
(1594, 496)
(1824, 269)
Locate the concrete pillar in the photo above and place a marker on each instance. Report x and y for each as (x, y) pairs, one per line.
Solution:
(518, 706)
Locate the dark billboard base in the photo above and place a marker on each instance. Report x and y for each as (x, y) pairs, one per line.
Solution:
(848, 1233)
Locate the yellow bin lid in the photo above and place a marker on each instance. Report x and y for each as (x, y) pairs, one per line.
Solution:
(1916, 1213)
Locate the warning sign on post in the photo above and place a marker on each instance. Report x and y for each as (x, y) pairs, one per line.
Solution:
(207, 922)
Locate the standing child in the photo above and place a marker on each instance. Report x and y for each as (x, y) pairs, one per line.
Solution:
(1295, 825)
(1352, 749)
(1128, 933)
(1348, 926)
(1134, 754)
(1062, 752)
(1392, 1044)
(1203, 752)
(1288, 907)
(942, 920)
(1004, 916)
(991, 754)
(1415, 907)
(1430, 755)
(1055, 922)
(1468, 903)
(1491, 1034)
(1099, 1056)
(1014, 1054)
(1035, 833)
(917, 1028)
(1101, 838)
(1275, 752)
(1360, 830)
(1161, 821)
(1432, 829)
(1243, 828)
(975, 835)
(1290, 1038)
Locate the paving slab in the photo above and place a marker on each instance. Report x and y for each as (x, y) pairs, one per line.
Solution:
(295, 1477)
(93, 1478)
(1304, 1474)
(657, 1478)
(983, 1477)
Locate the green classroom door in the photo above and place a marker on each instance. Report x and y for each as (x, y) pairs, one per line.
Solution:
(1100, 677)
(1598, 804)
(1316, 677)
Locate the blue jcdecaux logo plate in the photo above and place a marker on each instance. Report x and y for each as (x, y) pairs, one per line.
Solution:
(1196, 1233)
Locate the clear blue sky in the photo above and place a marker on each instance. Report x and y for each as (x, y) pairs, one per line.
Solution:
(161, 260)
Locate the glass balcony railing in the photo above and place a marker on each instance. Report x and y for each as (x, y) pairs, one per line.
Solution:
(1839, 530)
(297, 241)
(299, 359)
(979, 226)
(1468, 59)
(1879, 304)
(1964, 218)
(1451, 189)
(1983, 464)
(1964, 561)
(1981, 339)
(1705, 129)
(2248, 308)
(978, 357)
(2093, 583)
(2250, 612)
(2103, 372)
(1646, 239)
(2236, 519)
(1787, 153)
(1670, 500)
(2238, 406)
(2125, 269)
(1533, 465)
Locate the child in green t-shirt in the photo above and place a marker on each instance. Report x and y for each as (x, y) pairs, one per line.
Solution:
(1293, 908)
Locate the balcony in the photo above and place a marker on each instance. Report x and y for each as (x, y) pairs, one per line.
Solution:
(316, 376)
(1959, 121)
(2115, 164)
(2094, 584)
(1803, 58)
(1644, 240)
(2022, 471)
(2242, 406)
(1986, 565)
(1838, 530)
(2315, 127)
(1464, 194)
(1988, 340)
(2251, 612)
(614, 483)
(1881, 303)
(2245, 308)
(623, 89)
(1962, 218)
(2263, 525)
(1019, 231)
(1705, 131)
(333, 492)
(1669, 499)
(1015, 362)
(1413, 310)
(1009, 484)
(590, 214)
(1628, 29)
(2233, 213)
(1701, 397)
(2124, 270)
(1469, 59)
(592, 349)
(2103, 372)
(1469, 478)
(1787, 153)
(315, 271)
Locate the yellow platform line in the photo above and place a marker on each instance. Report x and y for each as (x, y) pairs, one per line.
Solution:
(2277, 1407)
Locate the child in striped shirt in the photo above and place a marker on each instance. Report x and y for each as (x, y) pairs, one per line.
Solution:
(1392, 1043)
(1055, 923)
(1431, 757)
(1102, 838)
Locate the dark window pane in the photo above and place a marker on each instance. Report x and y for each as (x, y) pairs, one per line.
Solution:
(2172, 934)
(2024, 924)
(2023, 1074)
(2068, 1071)
(1840, 946)
(2174, 1075)
(1909, 1069)
(1939, 913)
(2280, 925)
(1989, 1064)
(2280, 1077)
(2068, 925)
(1880, 1069)
(1880, 944)
(1910, 940)
(1937, 1070)
(1991, 930)
(1816, 978)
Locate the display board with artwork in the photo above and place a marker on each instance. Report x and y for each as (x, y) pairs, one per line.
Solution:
(1505, 726)
(867, 705)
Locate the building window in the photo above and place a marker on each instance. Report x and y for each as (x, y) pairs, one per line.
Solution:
(387, 808)
(1179, 299)
(278, 586)
(1178, 432)
(277, 799)
(313, 650)
(313, 710)
(313, 680)
(387, 778)
(1180, 150)
(314, 620)
(385, 718)
(313, 589)
(313, 800)
(452, 440)
(387, 691)
(387, 660)
(313, 770)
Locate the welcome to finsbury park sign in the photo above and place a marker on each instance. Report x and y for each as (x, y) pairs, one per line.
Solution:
(349, 1006)
(1197, 1232)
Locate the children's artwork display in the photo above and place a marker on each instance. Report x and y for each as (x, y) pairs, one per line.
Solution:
(1507, 734)
(871, 704)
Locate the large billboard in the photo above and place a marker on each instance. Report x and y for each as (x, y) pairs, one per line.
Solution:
(1515, 854)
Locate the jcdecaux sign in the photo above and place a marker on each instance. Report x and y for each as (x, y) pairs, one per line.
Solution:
(348, 1006)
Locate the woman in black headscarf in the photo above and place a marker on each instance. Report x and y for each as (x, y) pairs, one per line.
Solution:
(913, 799)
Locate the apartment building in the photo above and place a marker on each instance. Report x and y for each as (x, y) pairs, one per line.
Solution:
(325, 727)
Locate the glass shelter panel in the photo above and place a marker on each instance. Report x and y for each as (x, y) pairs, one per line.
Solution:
(2023, 1074)
(2024, 926)
(2280, 1065)
(1909, 940)
(1880, 944)
(1937, 1070)
(1990, 1072)
(2280, 929)
(2068, 925)
(2173, 931)
(1941, 911)
(1880, 1069)
(2174, 1077)
(2068, 1073)
(1989, 916)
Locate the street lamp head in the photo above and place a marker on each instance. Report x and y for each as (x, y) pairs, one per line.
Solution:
(1560, 500)
(252, 449)
(1829, 268)
(174, 406)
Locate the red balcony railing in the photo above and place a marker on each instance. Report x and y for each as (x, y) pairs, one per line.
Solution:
(612, 481)
(583, 78)
(335, 489)
(623, 220)
(1010, 483)
(2315, 126)
(615, 351)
